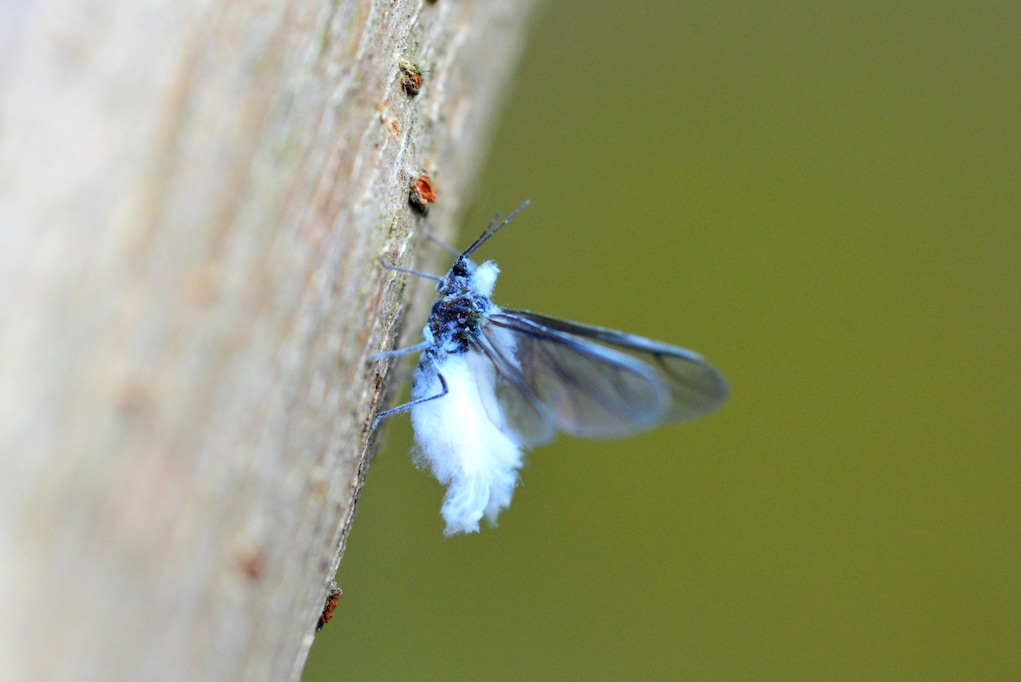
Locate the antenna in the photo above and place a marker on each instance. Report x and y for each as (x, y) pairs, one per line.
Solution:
(494, 225)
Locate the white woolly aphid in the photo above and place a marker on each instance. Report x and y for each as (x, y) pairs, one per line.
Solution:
(587, 381)
(457, 436)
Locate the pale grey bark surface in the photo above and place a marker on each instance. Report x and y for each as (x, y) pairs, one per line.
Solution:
(193, 196)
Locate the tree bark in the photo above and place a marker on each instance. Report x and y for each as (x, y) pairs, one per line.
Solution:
(193, 199)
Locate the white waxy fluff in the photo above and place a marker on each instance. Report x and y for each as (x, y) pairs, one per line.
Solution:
(484, 278)
(463, 447)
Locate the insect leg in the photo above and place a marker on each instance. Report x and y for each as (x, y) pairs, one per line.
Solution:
(407, 406)
(429, 342)
(442, 244)
(409, 271)
(417, 348)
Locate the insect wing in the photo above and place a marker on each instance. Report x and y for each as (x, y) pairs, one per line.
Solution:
(696, 388)
(583, 388)
(508, 400)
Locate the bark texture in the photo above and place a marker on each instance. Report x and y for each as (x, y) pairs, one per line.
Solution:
(193, 197)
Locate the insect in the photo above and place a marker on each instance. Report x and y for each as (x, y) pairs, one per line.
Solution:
(494, 381)
(411, 78)
(333, 595)
(422, 194)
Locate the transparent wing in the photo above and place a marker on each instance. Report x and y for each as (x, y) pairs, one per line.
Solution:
(693, 386)
(509, 401)
(580, 387)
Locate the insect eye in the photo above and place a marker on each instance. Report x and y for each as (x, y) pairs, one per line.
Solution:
(460, 268)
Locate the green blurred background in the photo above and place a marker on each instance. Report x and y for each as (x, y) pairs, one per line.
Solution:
(824, 199)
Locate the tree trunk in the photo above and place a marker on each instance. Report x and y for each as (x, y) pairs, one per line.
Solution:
(193, 199)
